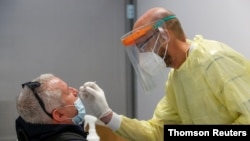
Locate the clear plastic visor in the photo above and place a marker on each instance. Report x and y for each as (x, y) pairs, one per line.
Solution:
(145, 47)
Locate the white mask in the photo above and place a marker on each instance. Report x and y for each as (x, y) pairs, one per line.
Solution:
(151, 63)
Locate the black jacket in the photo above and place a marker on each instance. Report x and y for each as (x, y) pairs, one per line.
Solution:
(43, 132)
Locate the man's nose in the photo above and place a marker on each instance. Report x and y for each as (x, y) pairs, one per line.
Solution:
(75, 92)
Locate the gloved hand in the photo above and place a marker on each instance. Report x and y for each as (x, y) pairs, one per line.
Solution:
(94, 96)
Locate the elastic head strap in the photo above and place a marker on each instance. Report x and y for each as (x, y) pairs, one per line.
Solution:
(160, 22)
(130, 39)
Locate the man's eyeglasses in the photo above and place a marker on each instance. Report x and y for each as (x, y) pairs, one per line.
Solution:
(142, 45)
(33, 86)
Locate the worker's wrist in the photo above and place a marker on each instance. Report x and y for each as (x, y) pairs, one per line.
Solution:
(106, 119)
(115, 121)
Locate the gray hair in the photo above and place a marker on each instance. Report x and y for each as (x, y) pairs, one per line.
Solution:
(28, 106)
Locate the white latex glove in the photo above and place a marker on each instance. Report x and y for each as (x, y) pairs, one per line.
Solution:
(94, 96)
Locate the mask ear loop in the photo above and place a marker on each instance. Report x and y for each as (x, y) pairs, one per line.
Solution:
(66, 106)
(155, 44)
(164, 36)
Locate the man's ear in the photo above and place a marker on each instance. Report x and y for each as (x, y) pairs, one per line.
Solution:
(58, 116)
(164, 33)
(167, 34)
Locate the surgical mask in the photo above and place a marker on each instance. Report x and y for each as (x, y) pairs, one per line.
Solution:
(151, 63)
(79, 118)
(152, 70)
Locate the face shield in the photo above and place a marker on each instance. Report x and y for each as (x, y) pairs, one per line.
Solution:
(146, 47)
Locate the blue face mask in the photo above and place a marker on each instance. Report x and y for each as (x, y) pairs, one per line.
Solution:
(79, 118)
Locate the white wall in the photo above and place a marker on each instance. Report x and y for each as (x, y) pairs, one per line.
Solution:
(223, 20)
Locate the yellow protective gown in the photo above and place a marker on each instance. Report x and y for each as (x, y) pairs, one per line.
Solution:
(211, 87)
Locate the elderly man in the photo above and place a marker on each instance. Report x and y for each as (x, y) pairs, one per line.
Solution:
(49, 110)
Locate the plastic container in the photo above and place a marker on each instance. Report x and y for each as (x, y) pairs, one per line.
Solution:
(91, 120)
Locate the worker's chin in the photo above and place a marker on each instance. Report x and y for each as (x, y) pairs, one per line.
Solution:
(168, 61)
(169, 66)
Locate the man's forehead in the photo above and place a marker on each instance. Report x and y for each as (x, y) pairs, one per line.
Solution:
(141, 23)
(56, 83)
